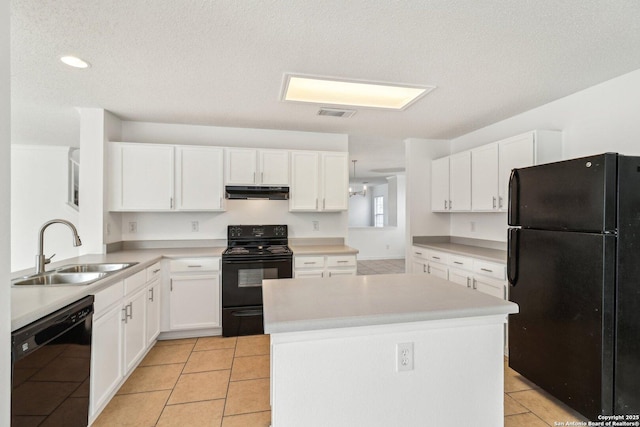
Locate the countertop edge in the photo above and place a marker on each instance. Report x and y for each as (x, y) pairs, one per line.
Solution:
(465, 250)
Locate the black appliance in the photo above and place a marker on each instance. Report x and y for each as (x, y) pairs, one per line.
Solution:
(254, 253)
(256, 192)
(50, 366)
(574, 270)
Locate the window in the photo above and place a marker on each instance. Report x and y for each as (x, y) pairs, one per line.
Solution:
(378, 211)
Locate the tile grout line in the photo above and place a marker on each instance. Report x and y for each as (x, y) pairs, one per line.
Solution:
(226, 395)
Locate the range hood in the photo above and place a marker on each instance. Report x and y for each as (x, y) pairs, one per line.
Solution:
(255, 192)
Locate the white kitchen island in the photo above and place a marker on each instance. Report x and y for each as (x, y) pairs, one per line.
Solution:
(335, 358)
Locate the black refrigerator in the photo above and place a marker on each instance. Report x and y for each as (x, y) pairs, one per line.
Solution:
(574, 270)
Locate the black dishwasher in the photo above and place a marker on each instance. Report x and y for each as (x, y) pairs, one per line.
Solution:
(50, 366)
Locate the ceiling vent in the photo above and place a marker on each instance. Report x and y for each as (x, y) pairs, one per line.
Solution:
(336, 112)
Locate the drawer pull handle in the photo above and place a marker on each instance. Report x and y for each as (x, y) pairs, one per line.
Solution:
(309, 263)
(194, 266)
(156, 270)
(458, 262)
(340, 262)
(487, 270)
(418, 253)
(435, 257)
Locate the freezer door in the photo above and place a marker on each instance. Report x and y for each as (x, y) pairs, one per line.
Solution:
(573, 195)
(562, 337)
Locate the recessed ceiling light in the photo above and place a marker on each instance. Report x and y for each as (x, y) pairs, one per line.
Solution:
(75, 62)
(322, 90)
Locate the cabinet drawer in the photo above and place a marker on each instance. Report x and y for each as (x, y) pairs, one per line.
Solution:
(341, 261)
(194, 264)
(440, 257)
(461, 262)
(309, 262)
(135, 281)
(491, 269)
(107, 297)
(419, 252)
(153, 272)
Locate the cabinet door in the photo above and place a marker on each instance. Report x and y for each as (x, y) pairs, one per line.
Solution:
(147, 177)
(135, 338)
(516, 152)
(496, 288)
(440, 185)
(335, 182)
(241, 166)
(194, 302)
(106, 357)
(153, 311)
(303, 194)
(334, 273)
(484, 178)
(460, 181)
(438, 270)
(199, 178)
(274, 167)
(419, 267)
(460, 277)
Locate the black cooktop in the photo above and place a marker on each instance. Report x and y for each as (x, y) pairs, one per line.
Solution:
(263, 241)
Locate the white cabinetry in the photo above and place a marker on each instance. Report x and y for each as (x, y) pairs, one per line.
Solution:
(194, 297)
(154, 177)
(440, 185)
(199, 173)
(319, 181)
(427, 261)
(245, 166)
(484, 177)
(318, 266)
(460, 182)
(124, 328)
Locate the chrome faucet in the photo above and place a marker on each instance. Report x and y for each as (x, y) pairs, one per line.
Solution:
(41, 260)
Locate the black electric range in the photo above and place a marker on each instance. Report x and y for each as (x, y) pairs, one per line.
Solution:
(254, 253)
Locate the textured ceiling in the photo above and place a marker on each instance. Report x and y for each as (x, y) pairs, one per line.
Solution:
(222, 62)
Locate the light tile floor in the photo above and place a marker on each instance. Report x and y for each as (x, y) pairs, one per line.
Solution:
(381, 266)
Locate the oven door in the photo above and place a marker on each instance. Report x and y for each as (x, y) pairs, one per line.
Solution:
(242, 279)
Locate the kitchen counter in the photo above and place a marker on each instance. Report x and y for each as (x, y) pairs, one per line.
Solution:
(384, 350)
(296, 305)
(487, 254)
(323, 250)
(29, 303)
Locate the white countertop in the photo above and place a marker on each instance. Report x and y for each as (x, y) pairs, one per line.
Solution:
(323, 250)
(29, 303)
(294, 305)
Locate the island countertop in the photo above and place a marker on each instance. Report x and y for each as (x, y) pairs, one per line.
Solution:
(295, 305)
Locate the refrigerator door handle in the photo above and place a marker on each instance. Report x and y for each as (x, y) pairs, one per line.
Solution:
(513, 249)
(514, 202)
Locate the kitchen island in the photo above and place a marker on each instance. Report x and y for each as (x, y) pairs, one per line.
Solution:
(384, 350)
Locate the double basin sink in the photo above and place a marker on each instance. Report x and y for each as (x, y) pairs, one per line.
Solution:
(73, 274)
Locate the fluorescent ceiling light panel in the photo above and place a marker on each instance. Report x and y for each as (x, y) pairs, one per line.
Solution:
(75, 62)
(340, 92)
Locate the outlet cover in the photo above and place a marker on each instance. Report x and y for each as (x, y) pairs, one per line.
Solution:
(404, 356)
(316, 225)
(195, 226)
(133, 227)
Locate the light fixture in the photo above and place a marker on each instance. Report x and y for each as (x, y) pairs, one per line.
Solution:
(74, 61)
(362, 192)
(324, 90)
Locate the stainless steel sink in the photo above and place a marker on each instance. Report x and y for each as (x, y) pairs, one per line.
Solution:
(90, 268)
(72, 274)
(53, 278)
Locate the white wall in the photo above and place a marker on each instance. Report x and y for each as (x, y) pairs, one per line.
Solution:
(5, 214)
(360, 211)
(383, 242)
(212, 225)
(39, 193)
(598, 119)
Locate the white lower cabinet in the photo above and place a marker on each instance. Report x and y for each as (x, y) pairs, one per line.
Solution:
(431, 262)
(125, 326)
(194, 294)
(319, 266)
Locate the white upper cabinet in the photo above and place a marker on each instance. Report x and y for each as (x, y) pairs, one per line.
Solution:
(141, 177)
(199, 178)
(440, 185)
(516, 152)
(154, 177)
(246, 166)
(335, 182)
(484, 177)
(460, 181)
(319, 181)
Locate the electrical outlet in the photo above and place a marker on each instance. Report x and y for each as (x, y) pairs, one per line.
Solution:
(108, 229)
(195, 226)
(404, 356)
(473, 226)
(316, 225)
(388, 247)
(133, 227)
